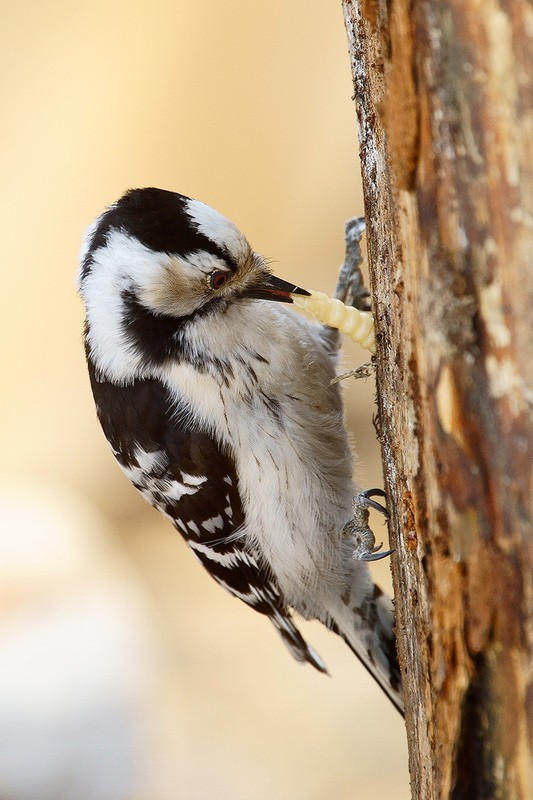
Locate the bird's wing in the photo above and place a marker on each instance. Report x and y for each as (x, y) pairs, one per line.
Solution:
(186, 475)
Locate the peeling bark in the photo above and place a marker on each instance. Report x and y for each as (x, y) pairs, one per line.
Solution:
(444, 95)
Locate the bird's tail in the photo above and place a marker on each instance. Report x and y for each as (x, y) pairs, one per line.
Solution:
(366, 626)
(368, 629)
(294, 640)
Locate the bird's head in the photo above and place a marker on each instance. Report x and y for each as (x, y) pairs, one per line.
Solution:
(155, 262)
(173, 256)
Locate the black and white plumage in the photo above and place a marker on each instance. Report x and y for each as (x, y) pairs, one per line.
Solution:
(218, 407)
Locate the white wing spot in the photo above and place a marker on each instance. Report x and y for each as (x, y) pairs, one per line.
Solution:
(231, 559)
(249, 597)
(224, 559)
(176, 490)
(149, 461)
(135, 474)
(228, 511)
(213, 524)
(193, 480)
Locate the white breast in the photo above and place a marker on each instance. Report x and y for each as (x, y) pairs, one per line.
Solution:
(293, 462)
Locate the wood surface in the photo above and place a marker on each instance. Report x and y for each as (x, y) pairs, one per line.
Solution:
(444, 98)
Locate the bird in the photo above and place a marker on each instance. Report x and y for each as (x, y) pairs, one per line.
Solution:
(217, 401)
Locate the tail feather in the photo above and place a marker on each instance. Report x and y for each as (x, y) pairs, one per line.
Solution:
(367, 627)
(368, 630)
(295, 642)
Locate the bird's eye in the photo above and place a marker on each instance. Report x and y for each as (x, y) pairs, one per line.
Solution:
(218, 279)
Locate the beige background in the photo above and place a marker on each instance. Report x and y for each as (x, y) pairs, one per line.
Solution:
(124, 671)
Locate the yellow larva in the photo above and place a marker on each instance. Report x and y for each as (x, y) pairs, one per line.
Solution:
(358, 325)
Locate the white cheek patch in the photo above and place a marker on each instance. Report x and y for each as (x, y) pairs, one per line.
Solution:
(219, 229)
(122, 263)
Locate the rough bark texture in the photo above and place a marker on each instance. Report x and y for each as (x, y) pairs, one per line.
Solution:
(444, 96)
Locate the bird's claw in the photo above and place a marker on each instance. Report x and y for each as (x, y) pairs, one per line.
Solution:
(365, 499)
(364, 371)
(374, 555)
(358, 528)
(366, 550)
(351, 288)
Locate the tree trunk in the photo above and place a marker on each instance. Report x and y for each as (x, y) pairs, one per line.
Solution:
(444, 94)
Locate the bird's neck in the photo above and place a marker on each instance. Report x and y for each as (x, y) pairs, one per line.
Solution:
(128, 342)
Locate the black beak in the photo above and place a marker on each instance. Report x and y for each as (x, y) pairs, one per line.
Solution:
(272, 288)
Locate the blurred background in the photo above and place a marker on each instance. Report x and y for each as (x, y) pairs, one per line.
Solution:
(125, 672)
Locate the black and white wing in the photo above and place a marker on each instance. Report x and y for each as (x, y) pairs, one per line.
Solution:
(184, 474)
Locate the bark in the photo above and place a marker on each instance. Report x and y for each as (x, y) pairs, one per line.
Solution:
(444, 96)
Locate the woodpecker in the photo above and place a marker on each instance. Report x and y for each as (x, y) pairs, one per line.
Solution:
(216, 399)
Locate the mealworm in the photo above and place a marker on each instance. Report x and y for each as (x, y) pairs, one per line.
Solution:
(358, 325)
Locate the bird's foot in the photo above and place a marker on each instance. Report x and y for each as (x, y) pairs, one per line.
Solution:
(350, 287)
(364, 371)
(365, 500)
(359, 530)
